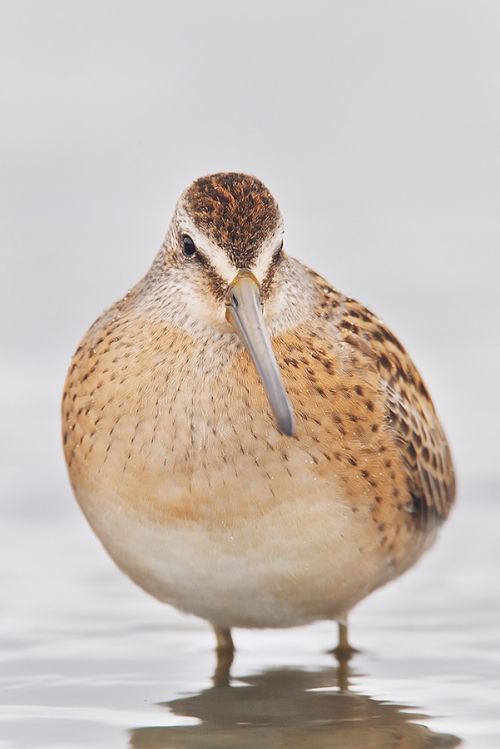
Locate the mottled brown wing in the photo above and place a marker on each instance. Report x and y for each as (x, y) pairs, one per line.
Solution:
(411, 417)
(427, 456)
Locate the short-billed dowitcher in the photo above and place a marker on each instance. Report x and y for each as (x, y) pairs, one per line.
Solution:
(249, 444)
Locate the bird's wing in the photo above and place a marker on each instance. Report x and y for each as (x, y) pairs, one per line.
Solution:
(430, 474)
(411, 417)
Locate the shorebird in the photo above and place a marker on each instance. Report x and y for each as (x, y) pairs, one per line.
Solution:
(250, 445)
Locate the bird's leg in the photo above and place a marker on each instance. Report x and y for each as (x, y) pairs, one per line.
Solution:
(343, 653)
(225, 656)
(343, 649)
(224, 640)
(343, 645)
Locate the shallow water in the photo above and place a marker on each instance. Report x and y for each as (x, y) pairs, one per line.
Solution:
(89, 660)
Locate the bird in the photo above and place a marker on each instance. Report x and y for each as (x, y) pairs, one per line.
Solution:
(249, 444)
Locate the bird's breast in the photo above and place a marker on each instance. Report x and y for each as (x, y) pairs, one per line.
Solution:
(174, 453)
(166, 426)
(179, 430)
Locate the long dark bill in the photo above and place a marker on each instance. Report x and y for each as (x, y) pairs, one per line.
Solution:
(244, 313)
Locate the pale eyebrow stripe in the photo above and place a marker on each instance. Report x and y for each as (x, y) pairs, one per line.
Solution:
(217, 257)
(262, 264)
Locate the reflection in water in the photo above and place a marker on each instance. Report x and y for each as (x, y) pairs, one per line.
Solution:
(281, 708)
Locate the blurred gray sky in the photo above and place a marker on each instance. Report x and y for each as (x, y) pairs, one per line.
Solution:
(375, 124)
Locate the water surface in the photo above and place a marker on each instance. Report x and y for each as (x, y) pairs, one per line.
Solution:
(89, 660)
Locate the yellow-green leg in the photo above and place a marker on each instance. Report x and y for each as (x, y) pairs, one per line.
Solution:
(225, 656)
(343, 649)
(343, 653)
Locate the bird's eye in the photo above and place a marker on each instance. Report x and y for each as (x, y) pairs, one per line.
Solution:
(188, 246)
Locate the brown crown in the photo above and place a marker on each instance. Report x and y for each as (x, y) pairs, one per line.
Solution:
(235, 211)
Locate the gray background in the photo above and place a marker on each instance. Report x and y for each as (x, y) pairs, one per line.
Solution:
(375, 124)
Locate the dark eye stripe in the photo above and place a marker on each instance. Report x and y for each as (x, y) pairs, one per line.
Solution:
(218, 286)
(277, 253)
(273, 266)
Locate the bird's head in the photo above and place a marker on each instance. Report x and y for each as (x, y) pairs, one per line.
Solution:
(225, 251)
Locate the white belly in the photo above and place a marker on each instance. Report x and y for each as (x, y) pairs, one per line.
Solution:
(300, 562)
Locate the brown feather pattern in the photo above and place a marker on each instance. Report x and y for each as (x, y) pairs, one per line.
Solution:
(171, 443)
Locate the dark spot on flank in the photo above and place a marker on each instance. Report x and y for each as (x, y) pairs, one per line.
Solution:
(359, 390)
(392, 338)
(384, 362)
(423, 390)
(375, 428)
(421, 513)
(352, 460)
(425, 454)
(370, 406)
(349, 326)
(402, 373)
(378, 499)
(365, 474)
(404, 428)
